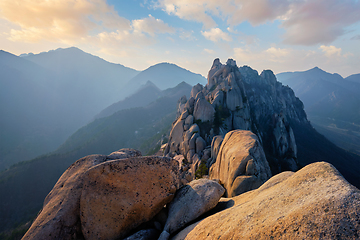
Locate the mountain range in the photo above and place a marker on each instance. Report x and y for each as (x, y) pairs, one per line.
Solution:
(46, 97)
(332, 104)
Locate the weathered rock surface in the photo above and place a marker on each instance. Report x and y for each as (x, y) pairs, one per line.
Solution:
(59, 218)
(191, 201)
(314, 203)
(119, 195)
(241, 164)
(203, 110)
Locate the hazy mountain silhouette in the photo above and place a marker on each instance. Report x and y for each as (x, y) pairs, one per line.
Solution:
(331, 102)
(354, 78)
(146, 94)
(24, 186)
(165, 75)
(47, 96)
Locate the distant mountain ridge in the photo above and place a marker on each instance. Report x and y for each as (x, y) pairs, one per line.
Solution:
(354, 78)
(331, 102)
(142, 97)
(46, 97)
(164, 75)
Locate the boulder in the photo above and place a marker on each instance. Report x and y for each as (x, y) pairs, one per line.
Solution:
(200, 144)
(314, 203)
(215, 145)
(189, 105)
(191, 201)
(120, 195)
(241, 164)
(196, 89)
(192, 142)
(203, 110)
(218, 99)
(189, 120)
(59, 217)
(176, 135)
(124, 153)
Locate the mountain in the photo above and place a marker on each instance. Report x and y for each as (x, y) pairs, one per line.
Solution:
(45, 97)
(24, 186)
(142, 97)
(354, 78)
(164, 75)
(81, 72)
(240, 98)
(331, 102)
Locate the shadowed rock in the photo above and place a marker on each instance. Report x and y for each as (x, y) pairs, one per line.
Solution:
(191, 201)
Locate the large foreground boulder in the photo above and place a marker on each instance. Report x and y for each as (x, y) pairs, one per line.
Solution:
(240, 164)
(60, 216)
(314, 203)
(120, 195)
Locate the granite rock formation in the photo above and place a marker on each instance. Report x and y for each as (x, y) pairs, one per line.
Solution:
(237, 98)
(314, 203)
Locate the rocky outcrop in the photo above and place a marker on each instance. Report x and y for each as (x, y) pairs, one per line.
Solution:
(91, 187)
(120, 195)
(241, 164)
(191, 201)
(314, 203)
(59, 217)
(238, 98)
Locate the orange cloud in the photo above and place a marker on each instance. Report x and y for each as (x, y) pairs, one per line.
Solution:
(59, 20)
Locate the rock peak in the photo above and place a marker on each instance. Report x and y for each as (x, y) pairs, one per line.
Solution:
(231, 62)
(237, 99)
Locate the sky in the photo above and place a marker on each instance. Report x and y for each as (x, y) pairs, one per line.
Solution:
(281, 35)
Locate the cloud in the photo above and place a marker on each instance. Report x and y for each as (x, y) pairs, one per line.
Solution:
(321, 21)
(190, 10)
(305, 22)
(70, 22)
(216, 34)
(187, 35)
(330, 50)
(357, 37)
(209, 51)
(151, 26)
(59, 20)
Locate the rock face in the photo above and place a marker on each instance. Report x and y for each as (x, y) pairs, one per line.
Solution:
(119, 195)
(191, 201)
(238, 98)
(60, 216)
(314, 203)
(241, 164)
